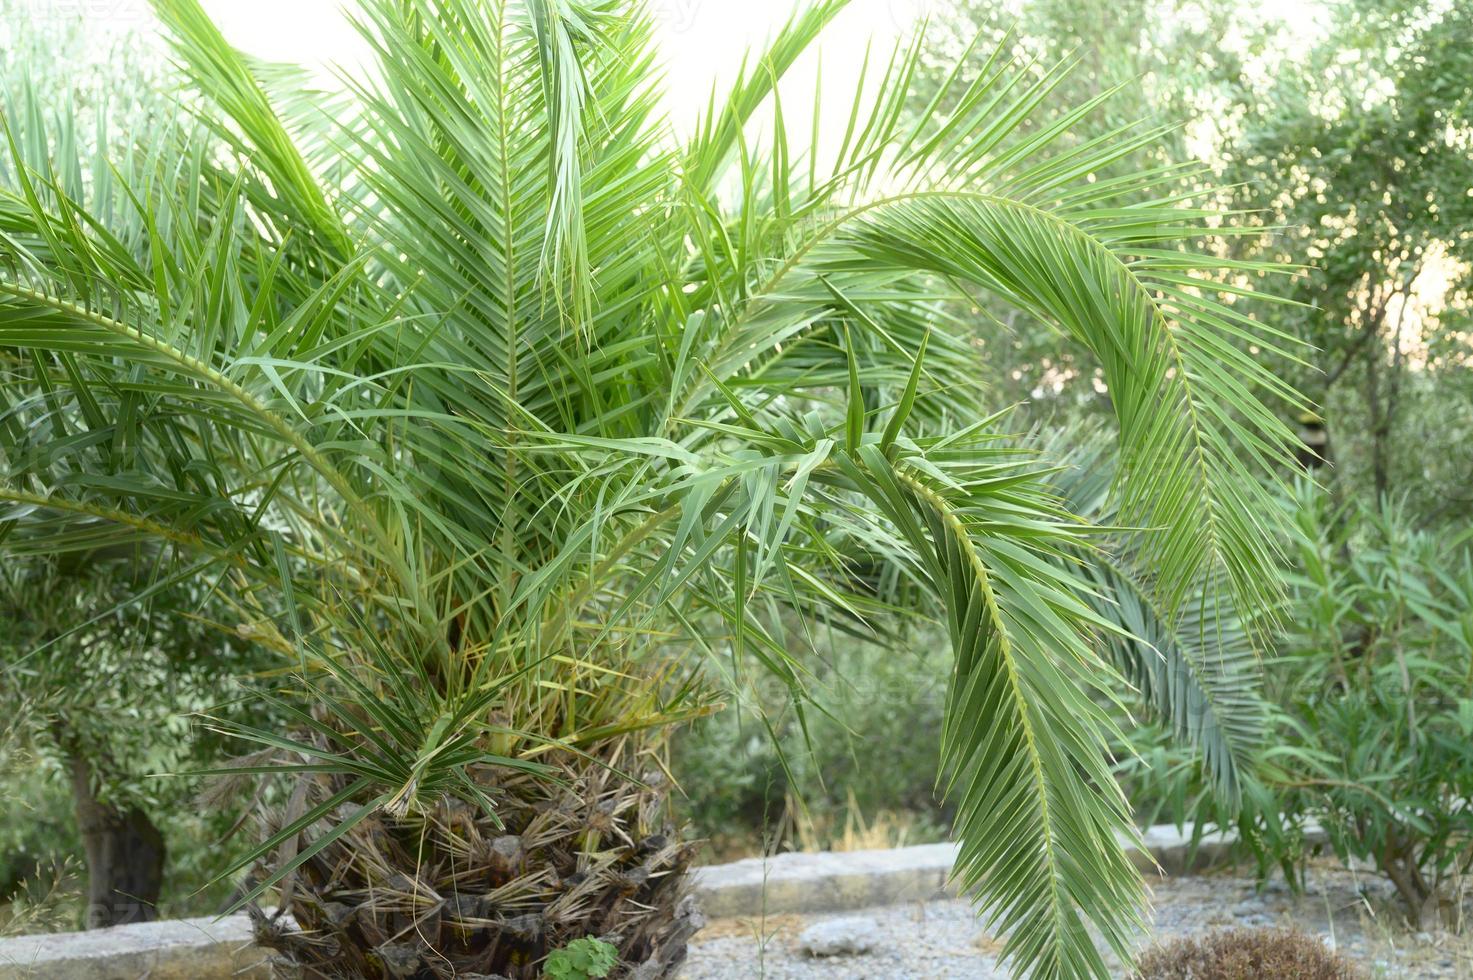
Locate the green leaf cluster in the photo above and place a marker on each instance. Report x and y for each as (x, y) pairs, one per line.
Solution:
(582, 959)
(1374, 695)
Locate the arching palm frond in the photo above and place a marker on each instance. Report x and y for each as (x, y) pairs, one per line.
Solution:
(1196, 665)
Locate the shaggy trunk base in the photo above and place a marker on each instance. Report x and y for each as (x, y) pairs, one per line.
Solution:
(449, 894)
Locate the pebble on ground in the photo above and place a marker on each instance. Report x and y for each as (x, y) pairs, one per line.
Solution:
(943, 940)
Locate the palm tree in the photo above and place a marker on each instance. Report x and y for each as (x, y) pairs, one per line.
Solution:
(494, 407)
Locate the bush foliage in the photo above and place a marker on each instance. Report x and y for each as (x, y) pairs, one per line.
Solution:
(1374, 687)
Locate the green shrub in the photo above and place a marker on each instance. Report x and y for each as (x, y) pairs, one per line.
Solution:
(860, 773)
(1244, 954)
(1375, 688)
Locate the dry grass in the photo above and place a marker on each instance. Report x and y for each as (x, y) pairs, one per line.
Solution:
(784, 926)
(887, 828)
(1245, 954)
(45, 901)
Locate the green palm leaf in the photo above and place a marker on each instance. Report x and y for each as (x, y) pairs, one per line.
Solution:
(1195, 666)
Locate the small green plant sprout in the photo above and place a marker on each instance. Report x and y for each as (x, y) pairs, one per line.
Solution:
(581, 959)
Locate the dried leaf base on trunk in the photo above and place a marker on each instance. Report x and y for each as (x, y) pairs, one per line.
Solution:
(449, 893)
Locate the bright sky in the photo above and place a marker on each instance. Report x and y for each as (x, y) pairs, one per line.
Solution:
(701, 40)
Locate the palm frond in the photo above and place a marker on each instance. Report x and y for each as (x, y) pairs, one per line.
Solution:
(1195, 666)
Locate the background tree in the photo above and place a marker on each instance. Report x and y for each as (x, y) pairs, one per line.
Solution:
(100, 696)
(103, 670)
(1360, 156)
(1158, 64)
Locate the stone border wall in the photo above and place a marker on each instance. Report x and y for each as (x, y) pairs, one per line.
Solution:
(221, 949)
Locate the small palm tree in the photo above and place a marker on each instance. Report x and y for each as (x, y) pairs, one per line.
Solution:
(494, 407)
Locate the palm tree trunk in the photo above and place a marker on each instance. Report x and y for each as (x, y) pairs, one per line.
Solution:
(125, 854)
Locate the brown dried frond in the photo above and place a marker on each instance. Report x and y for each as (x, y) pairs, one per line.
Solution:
(1245, 954)
(450, 893)
(221, 793)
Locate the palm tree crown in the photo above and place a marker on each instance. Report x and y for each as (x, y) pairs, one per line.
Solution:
(489, 402)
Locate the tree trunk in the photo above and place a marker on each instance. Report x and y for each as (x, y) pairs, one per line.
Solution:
(1373, 422)
(125, 855)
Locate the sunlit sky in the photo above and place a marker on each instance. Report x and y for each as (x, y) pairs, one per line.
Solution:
(701, 41)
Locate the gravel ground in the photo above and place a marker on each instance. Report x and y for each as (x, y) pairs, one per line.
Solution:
(933, 940)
